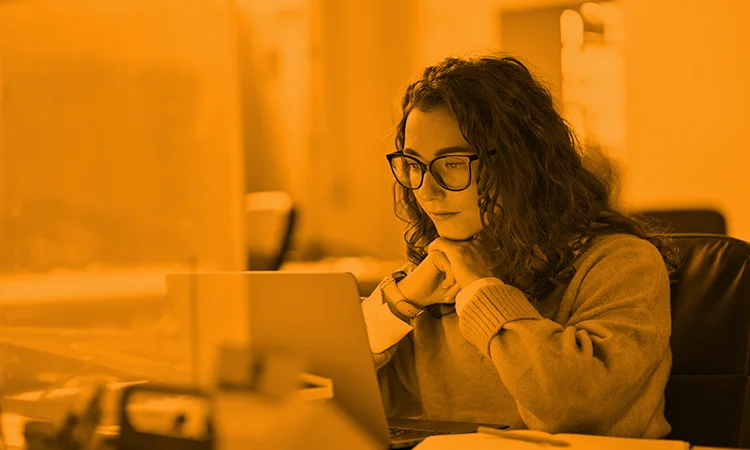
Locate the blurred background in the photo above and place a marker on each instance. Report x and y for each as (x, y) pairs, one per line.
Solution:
(139, 138)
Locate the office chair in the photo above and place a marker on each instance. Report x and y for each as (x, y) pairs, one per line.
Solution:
(689, 220)
(270, 222)
(707, 399)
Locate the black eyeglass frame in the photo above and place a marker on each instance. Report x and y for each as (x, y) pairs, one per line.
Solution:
(428, 168)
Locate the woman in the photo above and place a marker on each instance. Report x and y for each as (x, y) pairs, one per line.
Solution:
(529, 299)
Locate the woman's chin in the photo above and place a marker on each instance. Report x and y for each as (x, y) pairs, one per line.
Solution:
(455, 235)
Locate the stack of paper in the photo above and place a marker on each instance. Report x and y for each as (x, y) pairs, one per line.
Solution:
(481, 441)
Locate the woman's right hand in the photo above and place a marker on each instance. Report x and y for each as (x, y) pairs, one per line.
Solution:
(430, 282)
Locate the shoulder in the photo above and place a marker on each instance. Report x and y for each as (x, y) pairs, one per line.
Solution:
(619, 250)
(622, 269)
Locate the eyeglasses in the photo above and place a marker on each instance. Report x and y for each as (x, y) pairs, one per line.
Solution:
(451, 172)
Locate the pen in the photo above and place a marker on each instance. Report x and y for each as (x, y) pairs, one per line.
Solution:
(522, 437)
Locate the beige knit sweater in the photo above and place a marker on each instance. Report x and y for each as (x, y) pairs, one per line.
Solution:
(593, 357)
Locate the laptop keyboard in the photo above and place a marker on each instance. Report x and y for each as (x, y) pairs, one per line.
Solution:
(409, 433)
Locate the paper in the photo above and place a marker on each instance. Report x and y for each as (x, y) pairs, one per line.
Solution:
(479, 441)
(474, 441)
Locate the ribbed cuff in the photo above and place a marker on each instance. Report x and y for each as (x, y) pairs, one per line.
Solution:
(467, 293)
(490, 309)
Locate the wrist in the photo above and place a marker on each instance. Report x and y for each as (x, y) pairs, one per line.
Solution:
(405, 289)
(399, 304)
(466, 282)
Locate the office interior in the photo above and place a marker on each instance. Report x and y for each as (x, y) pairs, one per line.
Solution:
(139, 139)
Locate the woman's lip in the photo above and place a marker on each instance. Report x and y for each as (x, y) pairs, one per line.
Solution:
(443, 215)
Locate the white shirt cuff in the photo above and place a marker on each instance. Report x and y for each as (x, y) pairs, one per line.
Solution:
(384, 329)
(467, 293)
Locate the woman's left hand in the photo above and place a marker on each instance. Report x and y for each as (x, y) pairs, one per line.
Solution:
(465, 258)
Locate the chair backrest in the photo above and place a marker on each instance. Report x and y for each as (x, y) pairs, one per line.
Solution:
(270, 225)
(707, 401)
(690, 220)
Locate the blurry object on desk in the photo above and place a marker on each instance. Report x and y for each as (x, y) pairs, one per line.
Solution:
(695, 220)
(53, 403)
(278, 406)
(291, 426)
(270, 222)
(186, 423)
(368, 271)
(284, 408)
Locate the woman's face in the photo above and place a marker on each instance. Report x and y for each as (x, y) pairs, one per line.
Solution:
(429, 135)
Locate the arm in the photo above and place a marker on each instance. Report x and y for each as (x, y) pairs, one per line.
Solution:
(583, 375)
(384, 329)
(392, 353)
(385, 325)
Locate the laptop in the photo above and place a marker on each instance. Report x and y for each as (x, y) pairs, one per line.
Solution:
(318, 317)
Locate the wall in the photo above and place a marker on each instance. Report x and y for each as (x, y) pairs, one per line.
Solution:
(687, 103)
(360, 67)
(534, 36)
(685, 91)
(119, 136)
(322, 81)
(369, 52)
(448, 28)
(360, 56)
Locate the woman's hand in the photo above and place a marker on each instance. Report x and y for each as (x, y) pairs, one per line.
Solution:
(430, 282)
(464, 260)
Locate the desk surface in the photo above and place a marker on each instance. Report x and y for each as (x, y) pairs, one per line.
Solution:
(13, 428)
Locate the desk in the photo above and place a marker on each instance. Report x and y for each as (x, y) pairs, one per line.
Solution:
(13, 428)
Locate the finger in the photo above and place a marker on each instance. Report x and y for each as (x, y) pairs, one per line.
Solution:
(441, 261)
(436, 245)
(450, 280)
(452, 249)
(446, 249)
(450, 294)
(444, 245)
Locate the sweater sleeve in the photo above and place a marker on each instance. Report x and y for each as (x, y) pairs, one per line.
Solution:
(583, 375)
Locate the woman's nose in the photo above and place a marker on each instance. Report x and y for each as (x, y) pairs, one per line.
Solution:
(430, 189)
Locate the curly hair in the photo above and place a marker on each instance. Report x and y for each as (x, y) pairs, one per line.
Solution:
(539, 202)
